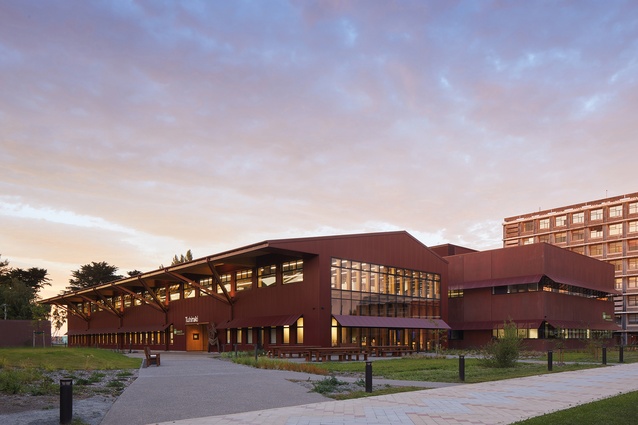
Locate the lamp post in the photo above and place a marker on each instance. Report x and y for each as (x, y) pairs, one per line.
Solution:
(5, 311)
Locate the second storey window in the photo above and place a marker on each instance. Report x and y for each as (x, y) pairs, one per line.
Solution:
(292, 271)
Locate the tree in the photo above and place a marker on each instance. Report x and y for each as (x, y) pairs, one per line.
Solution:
(58, 317)
(134, 273)
(19, 292)
(182, 258)
(92, 274)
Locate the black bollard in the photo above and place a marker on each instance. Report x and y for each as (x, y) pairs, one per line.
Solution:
(66, 401)
(550, 360)
(255, 352)
(235, 350)
(368, 377)
(462, 368)
(604, 355)
(621, 354)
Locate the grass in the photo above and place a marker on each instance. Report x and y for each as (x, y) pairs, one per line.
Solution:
(599, 412)
(26, 370)
(418, 368)
(266, 363)
(60, 358)
(592, 356)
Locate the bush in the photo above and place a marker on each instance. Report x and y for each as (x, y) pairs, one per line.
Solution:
(505, 351)
(327, 385)
(11, 382)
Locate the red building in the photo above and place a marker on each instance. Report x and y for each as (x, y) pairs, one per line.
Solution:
(382, 289)
(550, 293)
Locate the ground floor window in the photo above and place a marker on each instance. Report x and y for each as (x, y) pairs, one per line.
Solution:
(300, 330)
(417, 339)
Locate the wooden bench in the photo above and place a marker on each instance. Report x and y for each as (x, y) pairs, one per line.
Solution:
(151, 358)
(283, 351)
(342, 353)
(393, 350)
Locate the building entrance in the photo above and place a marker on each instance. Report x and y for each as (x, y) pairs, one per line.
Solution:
(196, 337)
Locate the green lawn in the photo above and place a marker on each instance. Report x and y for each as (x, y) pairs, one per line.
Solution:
(629, 356)
(444, 370)
(31, 370)
(619, 410)
(60, 358)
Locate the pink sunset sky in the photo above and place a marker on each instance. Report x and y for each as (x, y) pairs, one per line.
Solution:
(133, 131)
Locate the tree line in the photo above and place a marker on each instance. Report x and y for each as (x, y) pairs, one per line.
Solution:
(20, 288)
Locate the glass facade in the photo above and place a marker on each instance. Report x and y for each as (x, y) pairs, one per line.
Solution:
(364, 289)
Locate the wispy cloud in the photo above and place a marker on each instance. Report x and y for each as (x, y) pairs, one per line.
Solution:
(133, 131)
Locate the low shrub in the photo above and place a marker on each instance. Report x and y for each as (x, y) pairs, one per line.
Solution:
(504, 351)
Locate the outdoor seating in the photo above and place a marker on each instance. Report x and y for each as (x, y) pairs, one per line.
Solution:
(151, 358)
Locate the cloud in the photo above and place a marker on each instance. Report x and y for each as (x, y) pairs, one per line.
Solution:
(131, 132)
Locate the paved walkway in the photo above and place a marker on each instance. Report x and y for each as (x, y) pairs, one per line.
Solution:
(183, 388)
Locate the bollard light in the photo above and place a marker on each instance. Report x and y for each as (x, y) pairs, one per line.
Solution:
(66, 401)
(604, 355)
(550, 360)
(368, 377)
(621, 357)
(462, 368)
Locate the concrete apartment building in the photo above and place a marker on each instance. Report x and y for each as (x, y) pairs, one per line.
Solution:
(606, 229)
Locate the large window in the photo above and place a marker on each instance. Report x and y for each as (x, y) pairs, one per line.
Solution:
(614, 248)
(543, 224)
(266, 276)
(632, 245)
(206, 283)
(244, 280)
(615, 229)
(578, 217)
(615, 211)
(633, 208)
(595, 250)
(633, 226)
(632, 301)
(292, 271)
(632, 282)
(596, 214)
(617, 265)
(528, 226)
(560, 237)
(225, 281)
(391, 292)
(561, 220)
(632, 264)
(596, 232)
(578, 235)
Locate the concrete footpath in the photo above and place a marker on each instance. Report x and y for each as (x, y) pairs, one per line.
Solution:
(198, 390)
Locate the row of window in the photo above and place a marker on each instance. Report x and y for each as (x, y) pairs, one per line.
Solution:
(550, 286)
(555, 333)
(241, 280)
(594, 232)
(289, 334)
(124, 339)
(632, 282)
(357, 276)
(615, 211)
(353, 304)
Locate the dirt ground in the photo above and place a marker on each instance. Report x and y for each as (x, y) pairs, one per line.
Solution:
(90, 401)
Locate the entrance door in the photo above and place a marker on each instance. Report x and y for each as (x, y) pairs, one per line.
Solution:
(196, 337)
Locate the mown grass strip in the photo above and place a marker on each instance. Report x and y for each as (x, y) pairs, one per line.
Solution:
(619, 410)
(444, 370)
